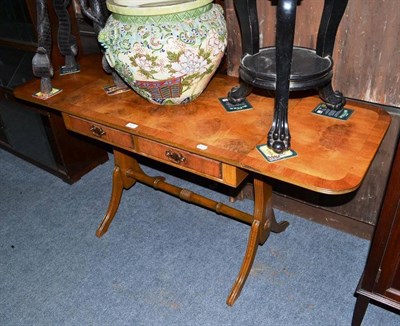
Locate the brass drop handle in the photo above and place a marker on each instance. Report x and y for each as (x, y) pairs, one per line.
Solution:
(175, 157)
(97, 131)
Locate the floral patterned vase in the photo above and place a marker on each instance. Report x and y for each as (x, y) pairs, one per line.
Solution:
(166, 52)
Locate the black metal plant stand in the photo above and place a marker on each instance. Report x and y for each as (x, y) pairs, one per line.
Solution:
(285, 68)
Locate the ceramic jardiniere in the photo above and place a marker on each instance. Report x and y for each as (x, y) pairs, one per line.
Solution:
(166, 52)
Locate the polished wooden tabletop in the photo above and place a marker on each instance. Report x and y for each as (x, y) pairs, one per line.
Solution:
(333, 155)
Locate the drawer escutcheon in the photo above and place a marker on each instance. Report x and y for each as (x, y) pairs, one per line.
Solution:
(175, 157)
(97, 131)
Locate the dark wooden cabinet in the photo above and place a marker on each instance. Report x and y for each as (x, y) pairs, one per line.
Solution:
(39, 136)
(381, 279)
(34, 132)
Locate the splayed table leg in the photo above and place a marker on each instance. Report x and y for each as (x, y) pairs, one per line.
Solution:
(264, 222)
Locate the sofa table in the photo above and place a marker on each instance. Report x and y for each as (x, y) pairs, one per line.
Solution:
(204, 139)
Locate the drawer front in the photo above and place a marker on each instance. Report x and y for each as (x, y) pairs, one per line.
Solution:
(98, 131)
(183, 159)
(197, 164)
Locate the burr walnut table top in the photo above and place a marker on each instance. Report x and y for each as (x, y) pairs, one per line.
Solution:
(333, 155)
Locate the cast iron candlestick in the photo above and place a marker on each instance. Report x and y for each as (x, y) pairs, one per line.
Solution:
(41, 64)
(96, 11)
(66, 41)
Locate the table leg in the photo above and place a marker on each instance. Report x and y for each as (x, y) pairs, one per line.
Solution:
(279, 135)
(360, 310)
(248, 260)
(120, 181)
(248, 19)
(331, 16)
(264, 222)
(330, 20)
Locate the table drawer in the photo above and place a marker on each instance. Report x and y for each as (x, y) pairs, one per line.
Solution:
(183, 159)
(197, 164)
(99, 131)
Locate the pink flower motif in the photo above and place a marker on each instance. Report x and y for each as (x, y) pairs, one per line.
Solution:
(189, 63)
(215, 44)
(143, 63)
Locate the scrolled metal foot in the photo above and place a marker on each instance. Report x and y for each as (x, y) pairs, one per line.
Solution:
(279, 135)
(278, 146)
(333, 99)
(239, 93)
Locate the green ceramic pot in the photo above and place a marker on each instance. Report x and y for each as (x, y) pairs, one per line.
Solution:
(167, 51)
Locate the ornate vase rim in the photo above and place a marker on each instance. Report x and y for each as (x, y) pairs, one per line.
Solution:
(153, 7)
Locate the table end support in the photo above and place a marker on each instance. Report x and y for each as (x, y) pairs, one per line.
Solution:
(120, 181)
(264, 222)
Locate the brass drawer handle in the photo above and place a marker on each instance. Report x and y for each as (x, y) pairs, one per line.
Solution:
(97, 131)
(174, 157)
